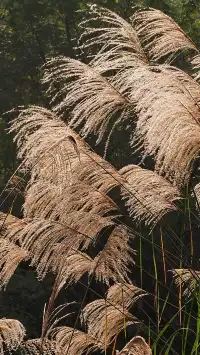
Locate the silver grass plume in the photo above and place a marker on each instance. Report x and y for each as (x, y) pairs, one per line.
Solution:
(92, 99)
(113, 61)
(88, 226)
(40, 347)
(166, 102)
(98, 173)
(116, 40)
(74, 342)
(75, 265)
(78, 206)
(161, 79)
(105, 318)
(124, 294)
(104, 321)
(196, 67)
(12, 333)
(114, 261)
(111, 264)
(46, 145)
(136, 346)
(115, 30)
(41, 238)
(7, 222)
(11, 228)
(189, 279)
(160, 35)
(48, 233)
(16, 185)
(45, 239)
(47, 200)
(196, 195)
(54, 153)
(73, 207)
(10, 257)
(148, 196)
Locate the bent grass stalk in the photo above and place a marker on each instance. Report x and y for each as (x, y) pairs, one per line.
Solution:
(156, 289)
(195, 349)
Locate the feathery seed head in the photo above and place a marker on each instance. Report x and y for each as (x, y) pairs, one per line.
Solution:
(148, 196)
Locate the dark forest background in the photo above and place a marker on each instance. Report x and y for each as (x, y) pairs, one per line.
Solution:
(31, 31)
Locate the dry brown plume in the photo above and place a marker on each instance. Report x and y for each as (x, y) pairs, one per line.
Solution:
(47, 146)
(7, 221)
(75, 265)
(188, 278)
(160, 35)
(11, 228)
(66, 200)
(46, 200)
(136, 346)
(148, 196)
(105, 322)
(166, 102)
(196, 194)
(165, 99)
(114, 261)
(40, 347)
(67, 209)
(116, 41)
(12, 333)
(78, 206)
(93, 101)
(98, 173)
(124, 294)
(79, 343)
(54, 153)
(105, 318)
(196, 67)
(10, 257)
(45, 238)
(40, 237)
(115, 31)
